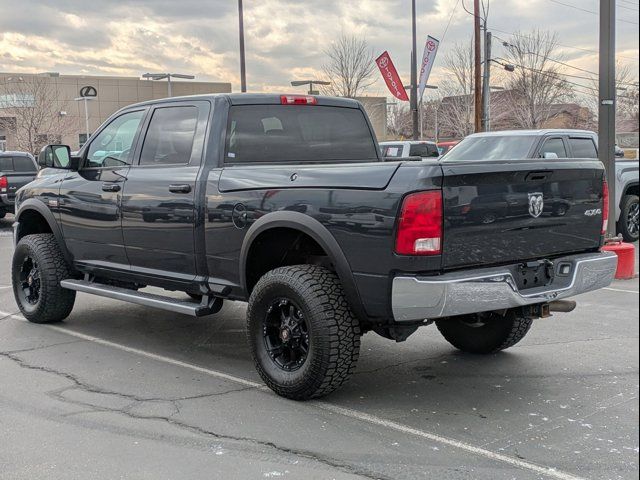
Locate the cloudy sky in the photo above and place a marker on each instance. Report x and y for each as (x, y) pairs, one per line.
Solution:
(285, 39)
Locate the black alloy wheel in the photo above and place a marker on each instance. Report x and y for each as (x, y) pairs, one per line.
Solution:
(286, 334)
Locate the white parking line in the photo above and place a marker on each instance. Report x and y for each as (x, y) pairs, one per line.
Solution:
(347, 412)
(621, 290)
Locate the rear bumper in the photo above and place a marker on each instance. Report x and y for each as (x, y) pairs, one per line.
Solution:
(482, 290)
(5, 201)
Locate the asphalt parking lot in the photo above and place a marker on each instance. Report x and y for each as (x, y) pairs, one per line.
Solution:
(122, 391)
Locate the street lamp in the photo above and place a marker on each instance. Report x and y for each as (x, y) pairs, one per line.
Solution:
(299, 83)
(86, 113)
(168, 76)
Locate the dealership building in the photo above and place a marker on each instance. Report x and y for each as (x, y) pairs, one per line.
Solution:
(54, 102)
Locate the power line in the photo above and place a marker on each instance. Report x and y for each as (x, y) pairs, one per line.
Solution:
(453, 11)
(628, 8)
(567, 65)
(591, 11)
(565, 46)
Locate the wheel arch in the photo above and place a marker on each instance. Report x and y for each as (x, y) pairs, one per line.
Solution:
(318, 233)
(34, 217)
(630, 189)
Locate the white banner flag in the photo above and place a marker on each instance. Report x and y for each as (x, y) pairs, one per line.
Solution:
(430, 51)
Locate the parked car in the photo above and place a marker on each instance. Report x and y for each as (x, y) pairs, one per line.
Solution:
(444, 147)
(553, 144)
(16, 170)
(418, 150)
(285, 202)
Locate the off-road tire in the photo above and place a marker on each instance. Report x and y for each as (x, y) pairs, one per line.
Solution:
(629, 231)
(334, 332)
(54, 303)
(493, 334)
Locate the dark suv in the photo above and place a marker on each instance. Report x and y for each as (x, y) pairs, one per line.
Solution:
(16, 170)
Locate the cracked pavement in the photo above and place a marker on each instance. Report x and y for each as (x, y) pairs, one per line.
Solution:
(566, 398)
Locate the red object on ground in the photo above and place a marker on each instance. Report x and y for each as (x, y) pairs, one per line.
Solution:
(626, 253)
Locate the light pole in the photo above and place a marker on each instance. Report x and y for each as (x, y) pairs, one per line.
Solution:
(168, 76)
(243, 66)
(86, 113)
(299, 83)
(414, 72)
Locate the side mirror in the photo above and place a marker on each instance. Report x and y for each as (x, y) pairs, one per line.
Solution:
(550, 155)
(55, 156)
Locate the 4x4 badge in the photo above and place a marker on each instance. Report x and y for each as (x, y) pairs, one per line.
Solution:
(536, 204)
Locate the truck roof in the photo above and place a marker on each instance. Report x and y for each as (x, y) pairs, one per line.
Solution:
(538, 132)
(257, 99)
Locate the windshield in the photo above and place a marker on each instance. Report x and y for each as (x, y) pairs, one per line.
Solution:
(294, 133)
(492, 148)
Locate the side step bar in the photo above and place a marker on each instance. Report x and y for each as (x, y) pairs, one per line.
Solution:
(208, 306)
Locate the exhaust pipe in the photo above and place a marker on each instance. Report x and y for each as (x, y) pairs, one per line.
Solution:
(564, 306)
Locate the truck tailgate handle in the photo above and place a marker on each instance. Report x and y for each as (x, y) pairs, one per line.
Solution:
(110, 187)
(537, 176)
(181, 188)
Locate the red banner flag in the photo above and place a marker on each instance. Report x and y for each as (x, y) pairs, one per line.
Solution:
(391, 77)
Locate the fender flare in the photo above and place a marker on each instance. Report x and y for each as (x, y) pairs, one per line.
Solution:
(318, 232)
(41, 208)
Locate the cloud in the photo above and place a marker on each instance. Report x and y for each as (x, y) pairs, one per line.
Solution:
(285, 39)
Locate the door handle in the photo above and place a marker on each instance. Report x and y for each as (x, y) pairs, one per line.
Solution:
(181, 188)
(110, 187)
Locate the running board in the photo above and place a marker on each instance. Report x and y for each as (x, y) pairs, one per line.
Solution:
(208, 306)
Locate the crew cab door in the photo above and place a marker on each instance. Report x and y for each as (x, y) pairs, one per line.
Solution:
(160, 192)
(90, 199)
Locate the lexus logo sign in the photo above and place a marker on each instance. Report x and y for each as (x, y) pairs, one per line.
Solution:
(88, 91)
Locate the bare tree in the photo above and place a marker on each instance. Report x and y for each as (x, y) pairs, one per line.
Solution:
(350, 66)
(537, 82)
(455, 114)
(31, 110)
(398, 122)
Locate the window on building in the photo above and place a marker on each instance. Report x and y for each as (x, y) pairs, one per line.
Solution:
(169, 139)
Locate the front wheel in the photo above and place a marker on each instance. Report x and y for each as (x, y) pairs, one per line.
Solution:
(628, 222)
(484, 333)
(38, 267)
(303, 336)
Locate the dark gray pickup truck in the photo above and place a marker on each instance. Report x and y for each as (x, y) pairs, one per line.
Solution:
(285, 202)
(16, 170)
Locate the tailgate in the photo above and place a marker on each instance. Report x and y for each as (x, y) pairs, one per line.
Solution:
(501, 212)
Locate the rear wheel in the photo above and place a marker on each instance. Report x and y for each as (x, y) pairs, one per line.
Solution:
(303, 337)
(38, 267)
(484, 333)
(628, 222)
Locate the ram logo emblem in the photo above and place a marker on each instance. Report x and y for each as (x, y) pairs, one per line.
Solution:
(536, 204)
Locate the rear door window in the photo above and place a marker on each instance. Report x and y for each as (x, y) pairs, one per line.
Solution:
(23, 164)
(6, 164)
(169, 139)
(554, 145)
(583, 148)
(298, 133)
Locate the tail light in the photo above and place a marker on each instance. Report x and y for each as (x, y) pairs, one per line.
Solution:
(298, 100)
(420, 224)
(3, 184)
(605, 207)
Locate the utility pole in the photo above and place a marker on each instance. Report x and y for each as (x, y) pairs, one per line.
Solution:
(477, 62)
(607, 102)
(486, 82)
(243, 67)
(414, 74)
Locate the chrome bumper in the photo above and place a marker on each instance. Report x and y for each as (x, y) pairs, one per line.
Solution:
(483, 290)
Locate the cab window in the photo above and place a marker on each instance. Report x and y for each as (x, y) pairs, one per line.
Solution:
(113, 146)
(583, 148)
(554, 145)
